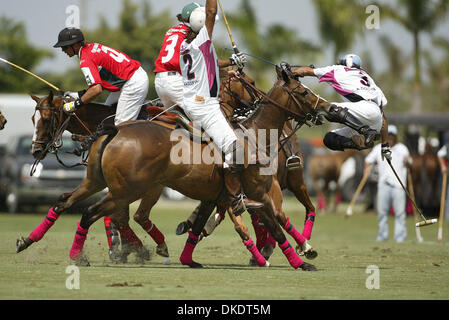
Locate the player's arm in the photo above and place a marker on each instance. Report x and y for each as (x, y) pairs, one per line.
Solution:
(303, 71)
(91, 94)
(211, 12)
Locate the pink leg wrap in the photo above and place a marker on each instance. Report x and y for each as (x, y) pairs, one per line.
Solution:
(107, 226)
(48, 222)
(321, 202)
(186, 255)
(308, 225)
(78, 242)
(130, 236)
(294, 260)
(261, 232)
(260, 260)
(291, 230)
(154, 232)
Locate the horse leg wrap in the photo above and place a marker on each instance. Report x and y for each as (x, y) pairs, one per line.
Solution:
(130, 236)
(45, 225)
(154, 232)
(308, 225)
(212, 223)
(291, 230)
(261, 232)
(108, 228)
(260, 260)
(186, 255)
(78, 242)
(294, 260)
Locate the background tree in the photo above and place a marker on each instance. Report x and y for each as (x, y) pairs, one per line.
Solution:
(14, 47)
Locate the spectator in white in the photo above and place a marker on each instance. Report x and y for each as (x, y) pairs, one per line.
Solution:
(389, 190)
(443, 158)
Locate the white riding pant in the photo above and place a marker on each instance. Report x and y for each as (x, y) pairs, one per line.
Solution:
(130, 97)
(366, 112)
(387, 196)
(208, 115)
(169, 88)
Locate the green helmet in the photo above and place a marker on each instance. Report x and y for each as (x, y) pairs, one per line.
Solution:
(69, 36)
(188, 9)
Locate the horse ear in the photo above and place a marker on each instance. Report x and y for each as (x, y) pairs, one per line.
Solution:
(35, 98)
(50, 96)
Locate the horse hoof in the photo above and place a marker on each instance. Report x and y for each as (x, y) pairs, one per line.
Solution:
(162, 250)
(115, 255)
(195, 265)
(308, 267)
(81, 261)
(311, 254)
(182, 228)
(143, 253)
(267, 251)
(252, 262)
(22, 244)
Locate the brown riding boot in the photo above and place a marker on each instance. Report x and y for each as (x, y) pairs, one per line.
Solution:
(239, 202)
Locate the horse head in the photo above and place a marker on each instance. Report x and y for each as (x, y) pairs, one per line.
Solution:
(303, 105)
(2, 121)
(46, 119)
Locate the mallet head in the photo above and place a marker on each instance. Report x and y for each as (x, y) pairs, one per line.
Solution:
(426, 222)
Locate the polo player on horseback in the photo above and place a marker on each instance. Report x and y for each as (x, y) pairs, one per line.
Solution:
(362, 112)
(168, 79)
(105, 68)
(200, 71)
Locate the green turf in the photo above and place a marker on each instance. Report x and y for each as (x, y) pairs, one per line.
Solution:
(346, 248)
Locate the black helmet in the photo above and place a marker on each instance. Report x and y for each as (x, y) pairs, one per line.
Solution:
(69, 36)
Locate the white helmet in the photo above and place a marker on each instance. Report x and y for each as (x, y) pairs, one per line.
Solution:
(197, 18)
(351, 61)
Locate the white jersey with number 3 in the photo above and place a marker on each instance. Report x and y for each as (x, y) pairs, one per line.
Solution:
(199, 68)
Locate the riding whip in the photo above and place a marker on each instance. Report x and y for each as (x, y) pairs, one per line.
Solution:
(32, 74)
(419, 224)
(412, 193)
(442, 202)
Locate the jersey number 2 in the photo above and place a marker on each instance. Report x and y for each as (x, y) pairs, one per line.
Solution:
(187, 58)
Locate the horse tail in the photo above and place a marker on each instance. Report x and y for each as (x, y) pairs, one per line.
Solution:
(109, 130)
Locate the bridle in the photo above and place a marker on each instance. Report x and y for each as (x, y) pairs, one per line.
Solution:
(56, 131)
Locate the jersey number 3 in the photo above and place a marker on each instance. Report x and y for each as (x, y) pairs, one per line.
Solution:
(170, 48)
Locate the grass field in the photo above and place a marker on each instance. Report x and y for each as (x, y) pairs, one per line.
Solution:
(346, 248)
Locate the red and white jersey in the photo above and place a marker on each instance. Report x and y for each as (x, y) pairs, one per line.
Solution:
(352, 83)
(199, 67)
(168, 59)
(106, 66)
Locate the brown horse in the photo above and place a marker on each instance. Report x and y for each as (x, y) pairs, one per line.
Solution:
(242, 96)
(48, 117)
(2, 121)
(137, 163)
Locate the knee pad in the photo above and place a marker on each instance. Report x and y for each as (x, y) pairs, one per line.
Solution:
(333, 141)
(336, 114)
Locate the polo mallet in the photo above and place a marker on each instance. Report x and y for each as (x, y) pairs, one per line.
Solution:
(234, 46)
(442, 203)
(418, 224)
(32, 74)
(412, 193)
(356, 194)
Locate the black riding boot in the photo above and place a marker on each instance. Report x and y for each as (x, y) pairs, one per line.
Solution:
(343, 116)
(339, 143)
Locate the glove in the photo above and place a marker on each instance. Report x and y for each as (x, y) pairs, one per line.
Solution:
(238, 59)
(386, 152)
(70, 94)
(70, 107)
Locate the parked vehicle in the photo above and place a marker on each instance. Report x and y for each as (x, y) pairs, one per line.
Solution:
(50, 179)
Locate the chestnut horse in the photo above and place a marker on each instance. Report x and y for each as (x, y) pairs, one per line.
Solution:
(2, 121)
(51, 116)
(137, 163)
(240, 98)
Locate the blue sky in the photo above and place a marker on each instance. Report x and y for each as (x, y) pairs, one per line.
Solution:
(45, 18)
